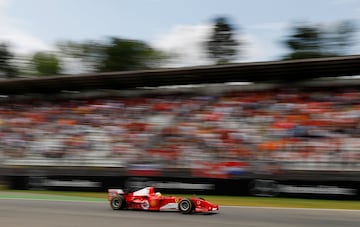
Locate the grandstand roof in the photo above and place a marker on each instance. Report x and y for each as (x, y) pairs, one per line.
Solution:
(286, 71)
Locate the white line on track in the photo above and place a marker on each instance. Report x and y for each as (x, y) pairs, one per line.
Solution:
(291, 208)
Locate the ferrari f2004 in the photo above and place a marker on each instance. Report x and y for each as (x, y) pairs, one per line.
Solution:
(148, 199)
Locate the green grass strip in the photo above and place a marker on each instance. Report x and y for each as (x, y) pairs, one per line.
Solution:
(49, 195)
(221, 200)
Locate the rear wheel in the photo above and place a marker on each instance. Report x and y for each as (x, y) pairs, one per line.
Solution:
(186, 206)
(117, 203)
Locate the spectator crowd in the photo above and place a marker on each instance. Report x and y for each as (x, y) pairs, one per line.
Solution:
(187, 130)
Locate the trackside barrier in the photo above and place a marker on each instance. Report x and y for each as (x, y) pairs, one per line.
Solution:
(322, 189)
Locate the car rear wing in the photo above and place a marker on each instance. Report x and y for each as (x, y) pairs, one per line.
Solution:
(114, 193)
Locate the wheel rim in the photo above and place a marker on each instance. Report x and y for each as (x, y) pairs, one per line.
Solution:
(116, 203)
(184, 205)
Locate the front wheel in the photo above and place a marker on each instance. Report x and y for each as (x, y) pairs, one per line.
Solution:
(117, 203)
(186, 206)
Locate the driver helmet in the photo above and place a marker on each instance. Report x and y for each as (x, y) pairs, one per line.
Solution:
(158, 194)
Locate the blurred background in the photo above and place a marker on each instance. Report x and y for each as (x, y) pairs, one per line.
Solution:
(238, 97)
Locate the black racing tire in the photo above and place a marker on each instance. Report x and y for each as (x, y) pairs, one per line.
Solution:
(117, 203)
(186, 206)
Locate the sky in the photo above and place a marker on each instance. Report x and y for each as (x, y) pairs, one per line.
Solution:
(178, 26)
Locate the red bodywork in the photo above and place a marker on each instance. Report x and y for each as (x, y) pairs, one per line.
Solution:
(147, 199)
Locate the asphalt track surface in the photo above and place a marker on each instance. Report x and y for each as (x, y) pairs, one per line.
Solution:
(38, 213)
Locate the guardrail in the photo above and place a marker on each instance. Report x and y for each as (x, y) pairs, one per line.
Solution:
(321, 165)
(65, 162)
(88, 161)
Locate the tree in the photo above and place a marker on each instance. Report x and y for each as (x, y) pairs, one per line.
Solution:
(312, 41)
(221, 46)
(340, 38)
(115, 55)
(46, 64)
(7, 69)
(90, 54)
(124, 54)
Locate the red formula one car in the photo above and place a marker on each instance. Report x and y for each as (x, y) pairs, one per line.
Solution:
(148, 199)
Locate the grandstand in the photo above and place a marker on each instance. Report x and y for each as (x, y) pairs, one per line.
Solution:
(294, 118)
